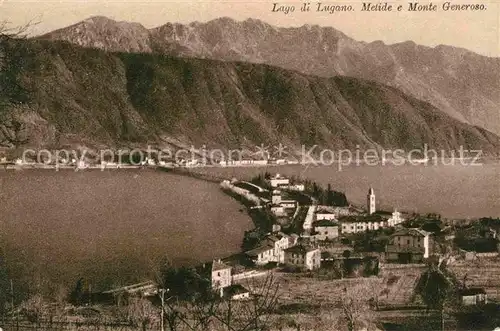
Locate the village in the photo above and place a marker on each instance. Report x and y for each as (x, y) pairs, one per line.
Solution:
(311, 236)
(316, 245)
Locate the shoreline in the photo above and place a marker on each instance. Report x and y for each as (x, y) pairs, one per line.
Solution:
(315, 163)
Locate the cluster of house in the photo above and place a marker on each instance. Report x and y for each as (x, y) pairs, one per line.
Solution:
(222, 281)
(322, 227)
(285, 249)
(279, 206)
(329, 222)
(326, 221)
(281, 182)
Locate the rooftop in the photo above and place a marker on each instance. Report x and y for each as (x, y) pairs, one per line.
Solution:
(472, 291)
(323, 211)
(414, 232)
(278, 176)
(235, 289)
(276, 236)
(383, 213)
(258, 250)
(325, 223)
(362, 218)
(219, 265)
(300, 249)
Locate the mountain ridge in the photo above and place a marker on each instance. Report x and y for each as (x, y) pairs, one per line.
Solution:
(457, 81)
(69, 95)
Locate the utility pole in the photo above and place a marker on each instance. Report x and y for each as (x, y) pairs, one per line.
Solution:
(442, 318)
(11, 294)
(162, 297)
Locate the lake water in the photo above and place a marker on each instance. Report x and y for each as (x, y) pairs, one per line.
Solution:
(111, 227)
(114, 227)
(454, 191)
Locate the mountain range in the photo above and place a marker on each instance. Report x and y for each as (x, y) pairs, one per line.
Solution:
(458, 82)
(62, 94)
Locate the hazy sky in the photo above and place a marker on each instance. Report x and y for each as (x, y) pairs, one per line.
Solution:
(478, 31)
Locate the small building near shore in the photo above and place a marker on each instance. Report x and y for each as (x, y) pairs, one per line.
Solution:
(303, 257)
(279, 181)
(220, 275)
(261, 255)
(236, 292)
(473, 296)
(279, 241)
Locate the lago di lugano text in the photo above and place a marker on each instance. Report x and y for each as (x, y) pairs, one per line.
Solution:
(331, 8)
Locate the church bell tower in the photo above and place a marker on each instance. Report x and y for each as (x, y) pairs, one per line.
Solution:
(371, 201)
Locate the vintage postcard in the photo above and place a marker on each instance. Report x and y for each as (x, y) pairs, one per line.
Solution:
(230, 165)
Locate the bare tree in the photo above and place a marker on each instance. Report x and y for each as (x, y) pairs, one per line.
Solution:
(355, 307)
(141, 312)
(34, 309)
(216, 313)
(252, 314)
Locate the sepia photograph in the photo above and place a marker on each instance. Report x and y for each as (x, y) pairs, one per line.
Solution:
(231, 165)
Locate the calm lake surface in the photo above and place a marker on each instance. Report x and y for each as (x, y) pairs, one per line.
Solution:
(112, 227)
(115, 227)
(454, 191)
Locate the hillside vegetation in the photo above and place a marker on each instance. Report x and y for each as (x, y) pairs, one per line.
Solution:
(64, 94)
(459, 82)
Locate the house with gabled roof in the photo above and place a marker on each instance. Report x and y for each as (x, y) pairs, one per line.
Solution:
(262, 255)
(355, 224)
(221, 274)
(279, 241)
(237, 292)
(303, 257)
(409, 245)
